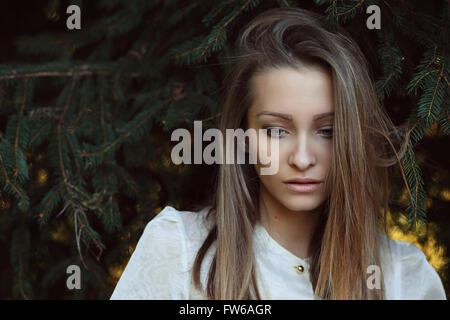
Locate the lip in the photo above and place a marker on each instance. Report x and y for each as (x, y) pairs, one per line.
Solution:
(303, 185)
(302, 180)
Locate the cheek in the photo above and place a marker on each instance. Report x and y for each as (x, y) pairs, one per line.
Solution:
(327, 155)
(264, 149)
(272, 184)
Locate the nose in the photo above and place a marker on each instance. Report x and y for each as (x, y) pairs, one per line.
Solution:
(302, 155)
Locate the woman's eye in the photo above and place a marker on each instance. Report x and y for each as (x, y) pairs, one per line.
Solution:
(328, 132)
(275, 132)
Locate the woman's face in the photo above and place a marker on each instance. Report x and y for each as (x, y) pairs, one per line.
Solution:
(294, 106)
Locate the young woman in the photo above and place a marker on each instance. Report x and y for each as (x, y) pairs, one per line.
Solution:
(315, 229)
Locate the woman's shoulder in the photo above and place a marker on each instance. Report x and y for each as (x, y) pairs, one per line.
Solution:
(405, 252)
(159, 267)
(409, 273)
(192, 224)
(401, 250)
(169, 213)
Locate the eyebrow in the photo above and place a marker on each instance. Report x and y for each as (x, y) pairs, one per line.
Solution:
(289, 117)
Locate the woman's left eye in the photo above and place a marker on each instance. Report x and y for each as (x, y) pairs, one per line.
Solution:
(328, 132)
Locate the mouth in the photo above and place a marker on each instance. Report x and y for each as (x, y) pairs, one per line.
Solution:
(308, 186)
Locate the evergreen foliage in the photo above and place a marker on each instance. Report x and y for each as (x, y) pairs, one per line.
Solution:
(86, 117)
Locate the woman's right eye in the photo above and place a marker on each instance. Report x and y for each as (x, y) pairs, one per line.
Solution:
(275, 132)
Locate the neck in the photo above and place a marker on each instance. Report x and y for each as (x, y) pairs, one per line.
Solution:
(291, 229)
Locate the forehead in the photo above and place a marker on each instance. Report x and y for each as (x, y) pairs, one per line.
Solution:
(299, 92)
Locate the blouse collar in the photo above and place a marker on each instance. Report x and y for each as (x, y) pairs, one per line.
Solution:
(270, 243)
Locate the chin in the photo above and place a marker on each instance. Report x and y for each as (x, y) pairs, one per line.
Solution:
(301, 204)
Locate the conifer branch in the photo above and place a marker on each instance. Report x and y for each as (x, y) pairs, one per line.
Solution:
(53, 74)
(421, 17)
(39, 132)
(19, 119)
(71, 73)
(91, 236)
(416, 186)
(49, 201)
(69, 97)
(126, 134)
(102, 110)
(11, 183)
(22, 291)
(421, 78)
(227, 22)
(351, 9)
(434, 93)
(74, 126)
(77, 164)
(61, 162)
(111, 211)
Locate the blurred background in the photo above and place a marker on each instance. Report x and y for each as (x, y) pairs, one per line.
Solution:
(86, 116)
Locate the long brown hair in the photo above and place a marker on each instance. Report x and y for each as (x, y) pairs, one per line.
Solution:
(347, 238)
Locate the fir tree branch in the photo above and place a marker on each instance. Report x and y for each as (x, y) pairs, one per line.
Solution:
(77, 164)
(446, 80)
(22, 291)
(116, 83)
(118, 22)
(102, 111)
(212, 117)
(20, 248)
(99, 278)
(351, 9)
(19, 119)
(416, 185)
(126, 134)
(285, 3)
(66, 179)
(11, 183)
(434, 93)
(61, 162)
(84, 71)
(111, 211)
(421, 17)
(333, 11)
(39, 132)
(391, 74)
(91, 236)
(60, 148)
(178, 15)
(69, 97)
(220, 30)
(434, 56)
(74, 126)
(54, 74)
(421, 77)
(50, 201)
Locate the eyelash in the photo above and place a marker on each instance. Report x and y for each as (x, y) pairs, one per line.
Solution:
(269, 129)
(327, 136)
(328, 129)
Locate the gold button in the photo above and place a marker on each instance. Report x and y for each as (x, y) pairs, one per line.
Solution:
(300, 269)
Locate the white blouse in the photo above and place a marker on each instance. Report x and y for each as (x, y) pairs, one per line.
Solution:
(160, 266)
